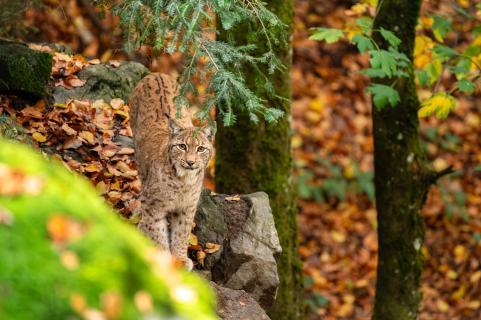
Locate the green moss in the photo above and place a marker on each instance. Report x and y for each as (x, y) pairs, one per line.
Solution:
(96, 254)
(254, 157)
(23, 70)
(400, 178)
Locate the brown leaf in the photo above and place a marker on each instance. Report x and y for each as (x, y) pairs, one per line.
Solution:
(68, 130)
(87, 136)
(72, 143)
(212, 247)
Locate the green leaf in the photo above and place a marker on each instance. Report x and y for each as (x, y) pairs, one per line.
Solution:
(477, 168)
(373, 73)
(462, 68)
(390, 37)
(365, 23)
(327, 34)
(363, 43)
(476, 31)
(466, 86)
(382, 59)
(441, 26)
(472, 50)
(423, 77)
(444, 51)
(434, 70)
(383, 95)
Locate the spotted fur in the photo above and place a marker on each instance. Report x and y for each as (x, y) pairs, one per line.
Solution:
(171, 156)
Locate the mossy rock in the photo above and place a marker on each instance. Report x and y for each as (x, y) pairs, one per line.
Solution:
(24, 71)
(66, 255)
(105, 82)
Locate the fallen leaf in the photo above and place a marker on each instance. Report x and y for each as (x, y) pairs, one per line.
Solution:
(37, 136)
(212, 247)
(233, 198)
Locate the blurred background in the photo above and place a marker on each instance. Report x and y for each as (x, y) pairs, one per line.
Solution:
(332, 146)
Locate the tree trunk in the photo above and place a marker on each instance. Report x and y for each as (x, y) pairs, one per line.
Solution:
(402, 179)
(252, 157)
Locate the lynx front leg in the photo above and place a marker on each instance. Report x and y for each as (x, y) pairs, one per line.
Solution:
(155, 226)
(180, 227)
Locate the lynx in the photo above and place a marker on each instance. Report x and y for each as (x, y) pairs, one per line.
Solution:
(171, 156)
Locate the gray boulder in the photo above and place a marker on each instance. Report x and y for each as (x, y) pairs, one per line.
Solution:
(104, 82)
(244, 226)
(237, 305)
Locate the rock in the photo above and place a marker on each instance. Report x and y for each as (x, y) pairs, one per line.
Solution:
(237, 305)
(245, 228)
(104, 82)
(24, 71)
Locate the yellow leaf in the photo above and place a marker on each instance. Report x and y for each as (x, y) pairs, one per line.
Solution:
(422, 60)
(460, 251)
(193, 240)
(464, 3)
(360, 8)
(440, 164)
(122, 113)
(440, 103)
(87, 136)
(421, 44)
(338, 237)
(317, 104)
(442, 306)
(296, 141)
(452, 274)
(475, 277)
(37, 136)
(200, 257)
(459, 294)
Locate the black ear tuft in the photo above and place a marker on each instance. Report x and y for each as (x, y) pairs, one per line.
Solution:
(174, 127)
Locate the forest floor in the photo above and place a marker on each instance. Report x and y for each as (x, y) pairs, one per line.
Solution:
(332, 144)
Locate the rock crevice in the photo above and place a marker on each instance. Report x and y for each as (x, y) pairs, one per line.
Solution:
(246, 262)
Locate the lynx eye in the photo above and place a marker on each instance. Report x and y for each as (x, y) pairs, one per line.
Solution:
(182, 146)
(201, 149)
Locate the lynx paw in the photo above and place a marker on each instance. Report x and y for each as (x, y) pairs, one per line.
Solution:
(189, 265)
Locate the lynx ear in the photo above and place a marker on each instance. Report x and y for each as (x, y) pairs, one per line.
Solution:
(174, 127)
(209, 131)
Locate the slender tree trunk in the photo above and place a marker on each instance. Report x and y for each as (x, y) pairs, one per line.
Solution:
(254, 157)
(402, 179)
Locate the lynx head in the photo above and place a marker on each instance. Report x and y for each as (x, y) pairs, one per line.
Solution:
(190, 149)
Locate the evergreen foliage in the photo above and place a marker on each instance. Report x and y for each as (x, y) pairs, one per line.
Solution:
(188, 26)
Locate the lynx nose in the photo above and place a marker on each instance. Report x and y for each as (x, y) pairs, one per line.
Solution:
(190, 163)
